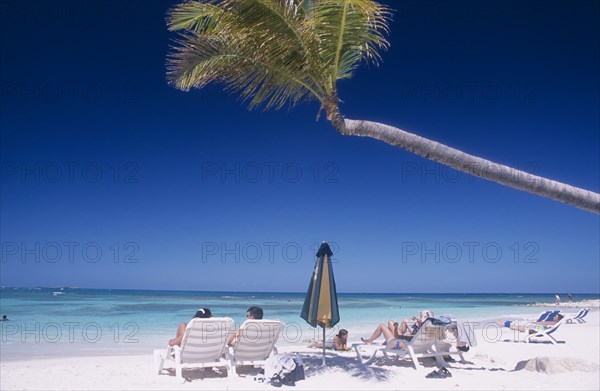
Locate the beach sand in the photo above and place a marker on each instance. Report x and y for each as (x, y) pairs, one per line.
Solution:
(489, 366)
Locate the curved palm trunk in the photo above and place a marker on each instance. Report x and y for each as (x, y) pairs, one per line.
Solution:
(470, 164)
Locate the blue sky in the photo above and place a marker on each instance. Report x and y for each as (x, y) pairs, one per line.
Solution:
(112, 179)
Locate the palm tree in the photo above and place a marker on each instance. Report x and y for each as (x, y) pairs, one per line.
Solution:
(281, 52)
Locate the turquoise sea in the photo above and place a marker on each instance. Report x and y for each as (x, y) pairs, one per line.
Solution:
(57, 322)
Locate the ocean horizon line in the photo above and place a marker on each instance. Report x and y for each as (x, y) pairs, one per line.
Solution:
(292, 292)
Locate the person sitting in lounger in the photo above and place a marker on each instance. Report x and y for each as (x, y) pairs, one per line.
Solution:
(201, 313)
(399, 330)
(251, 313)
(531, 327)
(339, 342)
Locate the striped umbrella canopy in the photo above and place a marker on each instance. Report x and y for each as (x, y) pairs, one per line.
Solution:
(320, 305)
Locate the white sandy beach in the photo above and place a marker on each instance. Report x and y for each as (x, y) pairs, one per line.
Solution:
(489, 366)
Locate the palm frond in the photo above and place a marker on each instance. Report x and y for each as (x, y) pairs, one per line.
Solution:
(193, 16)
(274, 52)
(350, 31)
(254, 47)
(195, 63)
(276, 25)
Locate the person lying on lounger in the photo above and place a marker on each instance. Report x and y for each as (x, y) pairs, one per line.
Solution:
(531, 327)
(339, 342)
(201, 313)
(404, 330)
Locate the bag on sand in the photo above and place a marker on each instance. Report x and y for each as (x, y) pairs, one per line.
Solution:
(284, 369)
(298, 372)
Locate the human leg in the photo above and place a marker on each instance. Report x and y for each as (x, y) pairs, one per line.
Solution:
(402, 328)
(393, 326)
(179, 336)
(381, 329)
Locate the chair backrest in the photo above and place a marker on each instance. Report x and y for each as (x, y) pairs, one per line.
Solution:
(551, 316)
(582, 313)
(542, 317)
(205, 339)
(547, 316)
(554, 327)
(256, 339)
(423, 315)
(427, 335)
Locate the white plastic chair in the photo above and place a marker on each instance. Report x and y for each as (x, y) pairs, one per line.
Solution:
(254, 343)
(429, 341)
(202, 346)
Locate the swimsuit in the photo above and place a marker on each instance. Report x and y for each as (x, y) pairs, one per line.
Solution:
(329, 344)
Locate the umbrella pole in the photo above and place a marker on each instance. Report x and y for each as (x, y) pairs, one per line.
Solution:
(323, 345)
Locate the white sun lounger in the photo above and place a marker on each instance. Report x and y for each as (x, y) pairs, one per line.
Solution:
(429, 341)
(579, 317)
(254, 344)
(202, 346)
(545, 335)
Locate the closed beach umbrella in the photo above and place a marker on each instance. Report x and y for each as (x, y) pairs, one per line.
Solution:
(320, 305)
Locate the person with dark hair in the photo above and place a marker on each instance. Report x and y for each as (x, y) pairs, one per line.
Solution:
(339, 342)
(252, 313)
(201, 313)
(4, 318)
